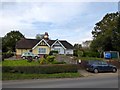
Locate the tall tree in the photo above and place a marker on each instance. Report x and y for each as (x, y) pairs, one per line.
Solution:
(39, 36)
(10, 39)
(106, 33)
(0, 43)
(77, 46)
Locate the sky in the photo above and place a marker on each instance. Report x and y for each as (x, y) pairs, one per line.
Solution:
(71, 21)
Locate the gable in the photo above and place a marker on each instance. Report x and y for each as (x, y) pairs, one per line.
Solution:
(57, 43)
(42, 44)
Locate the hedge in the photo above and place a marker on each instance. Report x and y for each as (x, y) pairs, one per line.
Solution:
(42, 69)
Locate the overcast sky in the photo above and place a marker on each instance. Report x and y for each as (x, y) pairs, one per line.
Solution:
(71, 21)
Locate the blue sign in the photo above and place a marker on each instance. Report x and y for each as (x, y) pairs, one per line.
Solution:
(107, 55)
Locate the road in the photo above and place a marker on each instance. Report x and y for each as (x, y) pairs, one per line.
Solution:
(96, 81)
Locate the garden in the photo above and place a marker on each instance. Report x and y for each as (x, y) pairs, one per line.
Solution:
(37, 69)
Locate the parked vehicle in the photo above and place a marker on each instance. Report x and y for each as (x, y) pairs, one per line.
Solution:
(100, 66)
(29, 54)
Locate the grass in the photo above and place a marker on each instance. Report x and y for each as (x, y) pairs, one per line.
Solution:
(19, 63)
(90, 58)
(17, 76)
(0, 63)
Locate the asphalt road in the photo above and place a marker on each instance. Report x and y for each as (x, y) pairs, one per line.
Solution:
(95, 81)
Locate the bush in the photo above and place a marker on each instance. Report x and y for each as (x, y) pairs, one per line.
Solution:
(50, 59)
(7, 55)
(53, 52)
(44, 69)
(43, 61)
(90, 54)
(56, 62)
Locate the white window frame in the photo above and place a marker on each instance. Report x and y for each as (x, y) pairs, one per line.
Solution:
(42, 51)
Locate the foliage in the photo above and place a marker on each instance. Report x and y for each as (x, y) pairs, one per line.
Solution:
(75, 53)
(7, 54)
(90, 53)
(77, 46)
(106, 33)
(53, 52)
(41, 69)
(18, 76)
(56, 62)
(50, 59)
(0, 43)
(80, 53)
(77, 50)
(39, 36)
(90, 58)
(43, 61)
(9, 41)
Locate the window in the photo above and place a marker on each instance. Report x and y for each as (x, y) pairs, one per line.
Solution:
(42, 50)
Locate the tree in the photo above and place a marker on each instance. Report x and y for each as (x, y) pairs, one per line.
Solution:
(0, 43)
(9, 41)
(77, 51)
(106, 33)
(39, 36)
(77, 46)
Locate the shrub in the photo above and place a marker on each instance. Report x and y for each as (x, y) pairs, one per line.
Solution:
(43, 61)
(50, 59)
(56, 62)
(7, 55)
(90, 54)
(53, 52)
(43, 69)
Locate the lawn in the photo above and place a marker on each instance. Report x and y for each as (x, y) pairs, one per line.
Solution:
(91, 58)
(18, 76)
(32, 67)
(19, 63)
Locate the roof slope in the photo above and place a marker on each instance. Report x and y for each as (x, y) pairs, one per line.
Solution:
(26, 43)
(66, 44)
(30, 43)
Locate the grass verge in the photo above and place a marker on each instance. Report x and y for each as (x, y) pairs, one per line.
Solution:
(90, 58)
(19, 63)
(17, 76)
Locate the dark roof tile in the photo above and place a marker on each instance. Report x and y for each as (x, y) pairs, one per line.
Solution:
(66, 44)
(26, 43)
(30, 43)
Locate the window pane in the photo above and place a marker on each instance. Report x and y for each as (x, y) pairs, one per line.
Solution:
(42, 50)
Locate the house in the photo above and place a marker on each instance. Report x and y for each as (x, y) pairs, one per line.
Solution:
(43, 46)
(86, 44)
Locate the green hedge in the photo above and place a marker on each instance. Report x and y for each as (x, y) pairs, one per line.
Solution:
(43, 69)
(53, 52)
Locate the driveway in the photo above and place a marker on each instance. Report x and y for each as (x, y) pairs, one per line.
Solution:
(87, 74)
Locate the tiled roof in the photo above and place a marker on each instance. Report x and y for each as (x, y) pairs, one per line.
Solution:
(26, 43)
(50, 42)
(30, 43)
(66, 44)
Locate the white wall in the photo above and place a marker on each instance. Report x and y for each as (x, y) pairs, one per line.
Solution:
(61, 49)
(69, 51)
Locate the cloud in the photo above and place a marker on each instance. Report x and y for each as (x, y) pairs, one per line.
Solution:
(72, 21)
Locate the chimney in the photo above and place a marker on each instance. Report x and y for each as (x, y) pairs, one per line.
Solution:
(46, 36)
